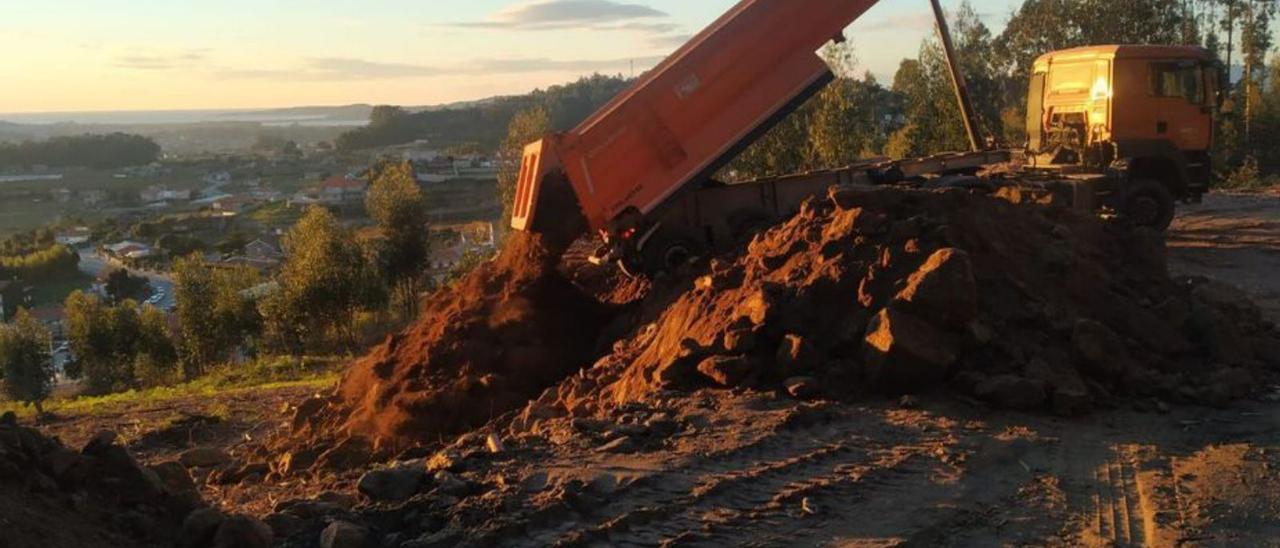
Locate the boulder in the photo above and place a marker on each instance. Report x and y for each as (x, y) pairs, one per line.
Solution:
(739, 341)
(943, 289)
(1068, 394)
(175, 477)
(343, 534)
(200, 526)
(726, 370)
(904, 353)
(243, 532)
(1012, 392)
(796, 355)
(449, 484)
(204, 457)
(1228, 299)
(1099, 350)
(392, 484)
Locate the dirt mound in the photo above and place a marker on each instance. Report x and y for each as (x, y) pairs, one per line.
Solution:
(898, 291)
(51, 496)
(504, 333)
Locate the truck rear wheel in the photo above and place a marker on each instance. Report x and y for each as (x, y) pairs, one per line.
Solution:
(664, 252)
(1147, 203)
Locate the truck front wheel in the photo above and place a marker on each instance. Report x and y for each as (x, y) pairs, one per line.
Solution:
(1147, 203)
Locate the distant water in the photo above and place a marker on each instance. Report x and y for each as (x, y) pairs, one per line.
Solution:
(168, 117)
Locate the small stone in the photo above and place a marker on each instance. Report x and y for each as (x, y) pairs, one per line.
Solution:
(620, 445)
(909, 402)
(493, 443)
(726, 371)
(204, 457)
(394, 485)
(284, 525)
(342, 534)
(802, 388)
(444, 460)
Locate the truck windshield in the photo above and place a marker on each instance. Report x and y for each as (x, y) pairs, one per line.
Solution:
(1178, 80)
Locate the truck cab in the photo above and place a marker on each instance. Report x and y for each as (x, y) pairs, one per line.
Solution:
(1140, 118)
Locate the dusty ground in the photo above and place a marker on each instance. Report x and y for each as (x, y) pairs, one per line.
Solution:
(159, 431)
(764, 470)
(1234, 238)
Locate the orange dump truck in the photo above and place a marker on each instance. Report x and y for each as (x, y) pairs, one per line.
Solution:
(682, 121)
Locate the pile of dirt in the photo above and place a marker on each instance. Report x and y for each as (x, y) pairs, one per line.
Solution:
(52, 496)
(904, 291)
(503, 334)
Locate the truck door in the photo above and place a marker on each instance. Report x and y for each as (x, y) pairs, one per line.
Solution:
(1182, 103)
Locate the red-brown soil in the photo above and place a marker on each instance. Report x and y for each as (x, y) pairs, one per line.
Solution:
(505, 332)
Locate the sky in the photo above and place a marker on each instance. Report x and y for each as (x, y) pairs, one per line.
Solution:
(92, 55)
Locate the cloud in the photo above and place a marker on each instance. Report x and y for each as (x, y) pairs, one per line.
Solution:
(164, 61)
(334, 69)
(562, 14)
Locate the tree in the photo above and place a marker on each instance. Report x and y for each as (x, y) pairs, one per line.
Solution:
(214, 311)
(398, 205)
(526, 126)
(103, 339)
(325, 281)
(26, 367)
(121, 285)
(156, 360)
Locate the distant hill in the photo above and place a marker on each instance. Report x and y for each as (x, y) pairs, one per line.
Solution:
(334, 113)
(483, 123)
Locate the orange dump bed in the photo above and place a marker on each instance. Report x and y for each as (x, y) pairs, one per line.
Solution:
(690, 114)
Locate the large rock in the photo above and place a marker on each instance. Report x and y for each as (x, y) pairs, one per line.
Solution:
(1068, 394)
(1099, 350)
(342, 534)
(1229, 300)
(943, 289)
(905, 353)
(200, 526)
(1012, 392)
(243, 532)
(204, 457)
(392, 484)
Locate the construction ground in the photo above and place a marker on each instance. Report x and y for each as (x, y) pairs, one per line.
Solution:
(714, 414)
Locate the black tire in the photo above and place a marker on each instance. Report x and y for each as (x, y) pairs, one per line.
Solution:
(1147, 203)
(667, 251)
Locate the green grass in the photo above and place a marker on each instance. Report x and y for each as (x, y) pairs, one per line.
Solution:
(266, 374)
